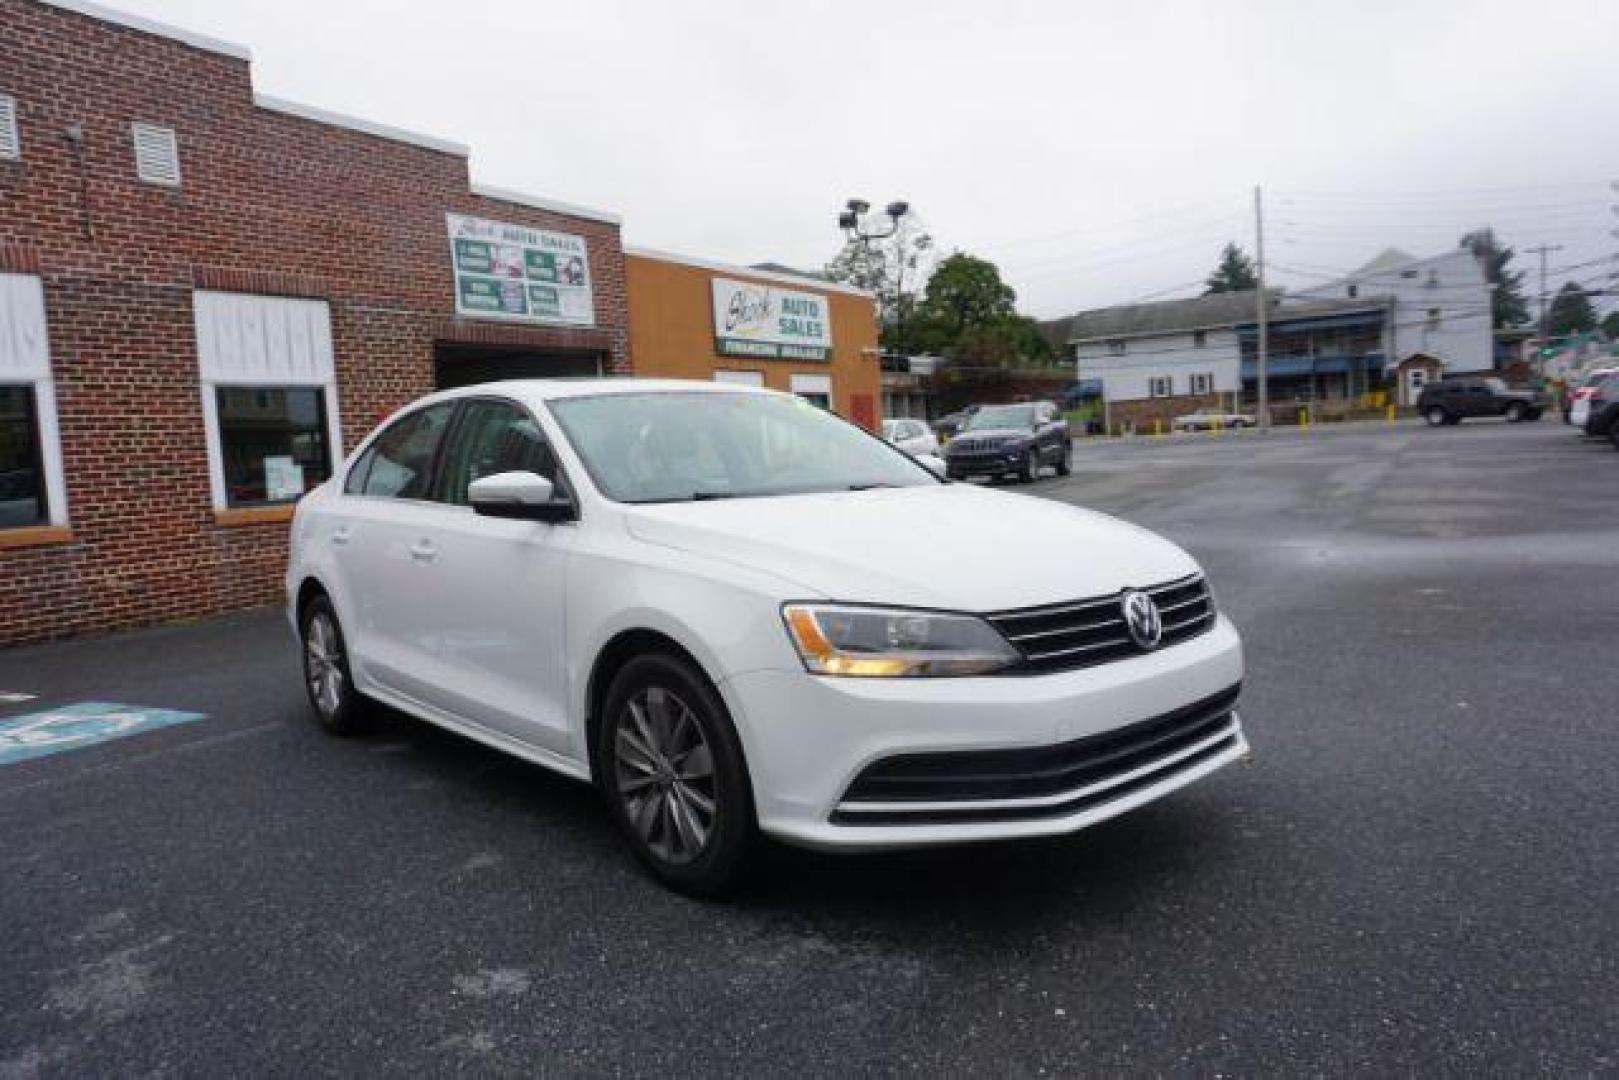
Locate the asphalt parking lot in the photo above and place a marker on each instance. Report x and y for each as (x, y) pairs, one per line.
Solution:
(1415, 874)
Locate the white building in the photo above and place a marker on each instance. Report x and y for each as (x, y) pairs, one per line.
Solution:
(1440, 311)
(1393, 324)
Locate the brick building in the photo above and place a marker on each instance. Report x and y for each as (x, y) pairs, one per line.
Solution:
(207, 296)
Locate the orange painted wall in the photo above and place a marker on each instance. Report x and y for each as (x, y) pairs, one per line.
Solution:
(672, 333)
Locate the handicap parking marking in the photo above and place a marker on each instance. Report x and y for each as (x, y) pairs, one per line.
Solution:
(73, 727)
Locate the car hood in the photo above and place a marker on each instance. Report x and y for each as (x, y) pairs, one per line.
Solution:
(996, 435)
(951, 546)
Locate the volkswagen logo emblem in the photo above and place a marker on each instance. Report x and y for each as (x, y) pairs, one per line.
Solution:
(1141, 618)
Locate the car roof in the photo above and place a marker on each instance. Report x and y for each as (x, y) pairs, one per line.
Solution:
(532, 391)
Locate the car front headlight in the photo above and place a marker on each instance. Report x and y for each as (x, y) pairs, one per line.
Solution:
(894, 643)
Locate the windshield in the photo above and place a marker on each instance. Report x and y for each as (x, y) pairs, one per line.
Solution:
(1002, 416)
(678, 447)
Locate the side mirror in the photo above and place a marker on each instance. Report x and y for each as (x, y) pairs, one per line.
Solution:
(523, 495)
(934, 464)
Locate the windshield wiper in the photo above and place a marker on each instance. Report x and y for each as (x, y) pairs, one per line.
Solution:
(870, 487)
(710, 496)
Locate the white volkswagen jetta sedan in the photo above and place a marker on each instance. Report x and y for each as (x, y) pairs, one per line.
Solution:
(708, 601)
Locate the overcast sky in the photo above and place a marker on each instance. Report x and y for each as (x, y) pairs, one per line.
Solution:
(1099, 152)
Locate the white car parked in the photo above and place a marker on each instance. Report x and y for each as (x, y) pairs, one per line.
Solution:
(707, 600)
(912, 436)
(1204, 420)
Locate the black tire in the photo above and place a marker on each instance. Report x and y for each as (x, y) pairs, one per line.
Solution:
(664, 826)
(1453, 420)
(1029, 469)
(1436, 416)
(328, 683)
(1516, 412)
(1065, 464)
(1613, 436)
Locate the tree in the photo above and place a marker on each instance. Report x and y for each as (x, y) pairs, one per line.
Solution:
(969, 315)
(965, 292)
(1234, 274)
(1610, 326)
(893, 268)
(1508, 307)
(1571, 312)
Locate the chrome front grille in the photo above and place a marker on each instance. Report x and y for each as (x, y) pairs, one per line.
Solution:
(1060, 637)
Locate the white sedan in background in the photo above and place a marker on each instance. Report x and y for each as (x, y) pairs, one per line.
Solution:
(1209, 421)
(912, 436)
(708, 601)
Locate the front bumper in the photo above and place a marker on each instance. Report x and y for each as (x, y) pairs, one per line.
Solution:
(809, 738)
(988, 463)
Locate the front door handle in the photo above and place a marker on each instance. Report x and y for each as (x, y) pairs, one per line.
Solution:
(342, 536)
(423, 551)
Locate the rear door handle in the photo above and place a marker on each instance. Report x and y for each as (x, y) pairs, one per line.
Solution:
(424, 551)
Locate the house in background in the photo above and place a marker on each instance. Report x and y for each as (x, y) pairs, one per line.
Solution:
(1439, 310)
(1392, 325)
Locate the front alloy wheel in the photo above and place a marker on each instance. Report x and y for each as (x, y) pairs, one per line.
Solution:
(1515, 413)
(1436, 416)
(664, 775)
(671, 768)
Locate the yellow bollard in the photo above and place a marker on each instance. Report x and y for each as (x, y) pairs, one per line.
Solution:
(1391, 413)
(1158, 428)
(1304, 421)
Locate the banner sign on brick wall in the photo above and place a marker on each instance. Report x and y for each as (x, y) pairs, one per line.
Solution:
(775, 324)
(505, 271)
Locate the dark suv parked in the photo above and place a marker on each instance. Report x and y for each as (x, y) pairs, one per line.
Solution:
(1000, 440)
(1454, 400)
(1603, 419)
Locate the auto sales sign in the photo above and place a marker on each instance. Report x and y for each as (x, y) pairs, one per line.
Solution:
(770, 323)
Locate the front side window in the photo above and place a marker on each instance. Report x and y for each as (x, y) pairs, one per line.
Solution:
(399, 463)
(273, 442)
(22, 480)
(675, 446)
(492, 437)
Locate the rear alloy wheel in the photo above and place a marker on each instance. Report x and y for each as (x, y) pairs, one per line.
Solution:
(671, 768)
(327, 681)
(1515, 413)
(1436, 416)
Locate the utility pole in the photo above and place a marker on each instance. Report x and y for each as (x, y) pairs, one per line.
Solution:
(1264, 315)
(1543, 250)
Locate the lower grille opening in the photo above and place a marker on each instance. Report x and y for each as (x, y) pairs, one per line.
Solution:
(1027, 813)
(980, 776)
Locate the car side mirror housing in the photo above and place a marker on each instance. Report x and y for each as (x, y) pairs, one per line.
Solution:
(527, 496)
(934, 464)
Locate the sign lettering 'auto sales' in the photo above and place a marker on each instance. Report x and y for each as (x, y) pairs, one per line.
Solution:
(769, 323)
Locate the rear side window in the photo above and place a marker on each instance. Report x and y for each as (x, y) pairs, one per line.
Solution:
(493, 437)
(399, 464)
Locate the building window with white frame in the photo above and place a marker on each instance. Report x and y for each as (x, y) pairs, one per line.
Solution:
(23, 497)
(1202, 383)
(269, 397)
(1160, 386)
(33, 492)
(273, 442)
